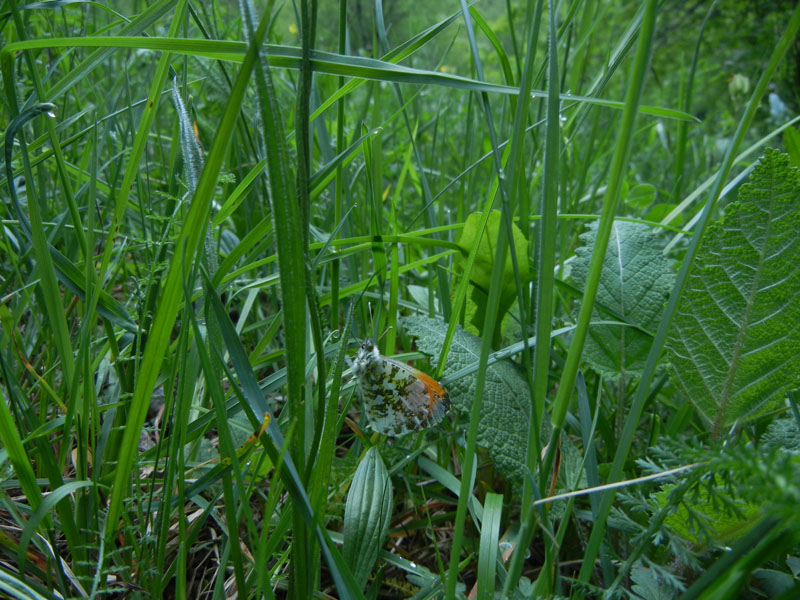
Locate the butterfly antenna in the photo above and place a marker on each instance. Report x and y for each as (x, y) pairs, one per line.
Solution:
(383, 334)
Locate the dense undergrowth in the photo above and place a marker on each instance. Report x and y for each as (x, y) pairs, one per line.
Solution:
(574, 215)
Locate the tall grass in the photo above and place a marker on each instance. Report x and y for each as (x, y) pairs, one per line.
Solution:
(205, 206)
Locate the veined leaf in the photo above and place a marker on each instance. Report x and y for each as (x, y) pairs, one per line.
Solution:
(735, 341)
(503, 428)
(635, 282)
(367, 515)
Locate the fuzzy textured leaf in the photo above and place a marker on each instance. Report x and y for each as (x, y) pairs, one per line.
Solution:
(784, 434)
(735, 341)
(635, 282)
(503, 428)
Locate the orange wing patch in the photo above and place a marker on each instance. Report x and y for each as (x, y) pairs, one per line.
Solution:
(435, 389)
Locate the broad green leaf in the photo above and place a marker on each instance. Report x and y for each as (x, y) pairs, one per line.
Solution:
(735, 341)
(503, 428)
(481, 273)
(366, 515)
(635, 282)
(774, 583)
(658, 212)
(640, 196)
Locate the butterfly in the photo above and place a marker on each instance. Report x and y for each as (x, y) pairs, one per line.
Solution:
(398, 399)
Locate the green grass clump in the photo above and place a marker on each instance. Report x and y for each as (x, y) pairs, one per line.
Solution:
(565, 213)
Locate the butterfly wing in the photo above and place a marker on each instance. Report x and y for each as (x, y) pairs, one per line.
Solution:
(402, 399)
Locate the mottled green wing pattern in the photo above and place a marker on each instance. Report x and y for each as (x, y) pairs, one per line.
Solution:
(397, 398)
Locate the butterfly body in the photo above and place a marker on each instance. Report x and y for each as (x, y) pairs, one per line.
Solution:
(398, 399)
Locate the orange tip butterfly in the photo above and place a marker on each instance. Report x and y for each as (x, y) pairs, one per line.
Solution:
(398, 399)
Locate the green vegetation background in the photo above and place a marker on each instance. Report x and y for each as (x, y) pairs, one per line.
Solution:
(205, 206)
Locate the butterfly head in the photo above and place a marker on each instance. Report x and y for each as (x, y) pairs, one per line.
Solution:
(368, 356)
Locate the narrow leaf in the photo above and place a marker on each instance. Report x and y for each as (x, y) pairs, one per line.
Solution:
(487, 557)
